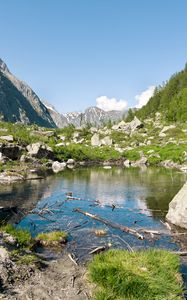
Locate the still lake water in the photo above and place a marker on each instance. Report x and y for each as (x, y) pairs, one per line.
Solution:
(137, 193)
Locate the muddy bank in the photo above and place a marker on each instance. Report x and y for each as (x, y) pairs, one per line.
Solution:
(60, 279)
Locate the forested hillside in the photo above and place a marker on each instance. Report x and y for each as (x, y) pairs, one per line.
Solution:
(170, 99)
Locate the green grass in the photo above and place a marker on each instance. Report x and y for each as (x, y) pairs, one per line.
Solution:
(23, 258)
(54, 236)
(23, 237)
(147, 275)
(132, 155)
(82, 152)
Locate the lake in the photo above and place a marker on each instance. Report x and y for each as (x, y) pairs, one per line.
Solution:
(140, 196)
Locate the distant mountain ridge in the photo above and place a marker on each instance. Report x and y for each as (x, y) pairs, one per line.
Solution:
(19, 103)
(92, 115)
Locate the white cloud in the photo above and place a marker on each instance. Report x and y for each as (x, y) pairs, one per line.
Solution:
(108, 104)
(144, 97)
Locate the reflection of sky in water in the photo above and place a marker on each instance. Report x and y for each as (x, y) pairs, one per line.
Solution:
(135, 192)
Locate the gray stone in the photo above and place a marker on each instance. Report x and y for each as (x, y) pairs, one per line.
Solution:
(177, 213)
(70, 161)
(106, 141)
(8, 178)
(58, 167)
(7, 138)
(127, 163)
(9, 239)
(166, 128)
(40, 150)
(162, 134)
(95, 140)
(60, 144)
(135, 124)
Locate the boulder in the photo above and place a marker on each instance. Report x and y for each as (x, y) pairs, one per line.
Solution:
(60, 144)
(127, 163)
(70, 161)
(40, 150)
(10, 177)
(7, 138)
(12, 151)
(106, 141)
(166, 128)
(58, 167)
(135, 124)
(93, 130)
(177, 213)
(95, 140)
(76, 135)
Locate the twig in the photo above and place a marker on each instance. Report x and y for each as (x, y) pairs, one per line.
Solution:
(72, 259)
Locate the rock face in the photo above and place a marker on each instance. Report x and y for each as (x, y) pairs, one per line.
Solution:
(19, 103)
(40, 150)
(177, 213)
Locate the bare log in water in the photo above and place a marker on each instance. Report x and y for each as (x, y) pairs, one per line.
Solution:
(111, 224)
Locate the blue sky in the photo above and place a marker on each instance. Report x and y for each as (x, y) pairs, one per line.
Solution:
(73, 51)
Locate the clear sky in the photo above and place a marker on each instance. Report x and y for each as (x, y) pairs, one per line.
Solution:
(73, 51)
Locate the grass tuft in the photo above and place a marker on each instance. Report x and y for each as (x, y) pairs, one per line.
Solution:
(23, 237)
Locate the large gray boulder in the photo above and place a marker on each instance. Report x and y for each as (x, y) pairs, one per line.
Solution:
(106, 141)
(177, 213)
(58, 167)
(40, 150)
(135, 124)
(7, 138)
(95, 140)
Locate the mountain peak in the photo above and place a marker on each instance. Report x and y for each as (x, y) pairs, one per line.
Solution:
(3, 66)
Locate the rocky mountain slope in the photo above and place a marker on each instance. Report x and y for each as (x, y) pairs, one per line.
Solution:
(92, 115)
(19, 103)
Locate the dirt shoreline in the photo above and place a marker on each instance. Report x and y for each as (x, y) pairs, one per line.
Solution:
(60, 280)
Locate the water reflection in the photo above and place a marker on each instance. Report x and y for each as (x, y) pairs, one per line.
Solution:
(138, 194)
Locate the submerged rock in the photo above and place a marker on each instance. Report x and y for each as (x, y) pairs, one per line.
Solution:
(177, 213)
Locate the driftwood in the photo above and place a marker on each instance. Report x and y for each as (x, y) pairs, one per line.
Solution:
(111, 224)
(74, 260)
(181, 253)
(98, 250)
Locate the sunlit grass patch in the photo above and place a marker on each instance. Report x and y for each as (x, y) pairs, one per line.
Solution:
(53, 238)
(147, 275)
(23, 237)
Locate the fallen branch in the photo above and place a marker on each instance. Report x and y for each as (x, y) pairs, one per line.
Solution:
(181, 253)
(98, 250)
(111, 224)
